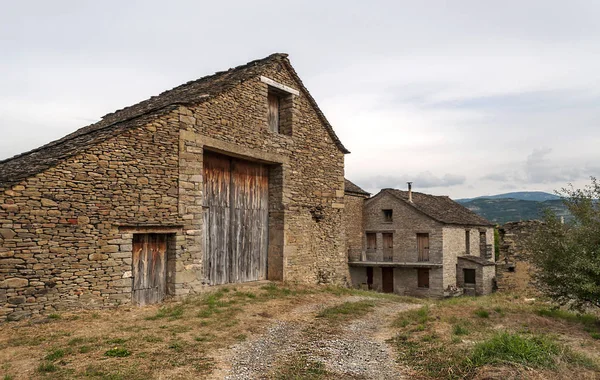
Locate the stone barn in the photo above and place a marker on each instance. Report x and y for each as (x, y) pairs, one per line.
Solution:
(235, 177)
(421, 245)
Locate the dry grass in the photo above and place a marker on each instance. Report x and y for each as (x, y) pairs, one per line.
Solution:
(498, 336)
(172, 341)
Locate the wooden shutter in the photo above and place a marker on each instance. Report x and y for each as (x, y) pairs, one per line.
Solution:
(273, 113)
(423, 247)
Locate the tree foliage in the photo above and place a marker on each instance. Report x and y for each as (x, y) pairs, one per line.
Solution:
(567, 256)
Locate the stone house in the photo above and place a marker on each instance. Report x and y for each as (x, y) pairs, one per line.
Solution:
(237, 176)
(421, 245)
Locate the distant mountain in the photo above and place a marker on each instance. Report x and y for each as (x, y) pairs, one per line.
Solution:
(538, 196)
(501, 210)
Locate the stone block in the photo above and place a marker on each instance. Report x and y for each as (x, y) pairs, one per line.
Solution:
(14, 283)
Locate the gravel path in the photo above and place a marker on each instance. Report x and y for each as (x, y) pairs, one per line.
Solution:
(356, 350)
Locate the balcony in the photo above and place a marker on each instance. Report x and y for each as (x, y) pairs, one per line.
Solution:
(374, 258)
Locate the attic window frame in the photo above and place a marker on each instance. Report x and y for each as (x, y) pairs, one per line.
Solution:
(285, 105)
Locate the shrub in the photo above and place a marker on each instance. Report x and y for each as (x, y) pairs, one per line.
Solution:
(117, 352)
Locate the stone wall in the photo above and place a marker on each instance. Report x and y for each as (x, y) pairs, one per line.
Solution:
(455, 245)
(484, 277)
(61, 244)
(66, 233)
(513, 272)
(354, 224)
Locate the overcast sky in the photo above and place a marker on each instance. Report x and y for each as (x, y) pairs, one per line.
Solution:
(463, 98)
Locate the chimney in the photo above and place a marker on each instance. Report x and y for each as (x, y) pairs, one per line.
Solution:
(409, 191)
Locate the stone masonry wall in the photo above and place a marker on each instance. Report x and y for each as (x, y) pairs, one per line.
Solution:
(60, 243)
(354, 224)
(312, 199)
(484, 277)
(66, 233)
(455, 245)
(513, 272)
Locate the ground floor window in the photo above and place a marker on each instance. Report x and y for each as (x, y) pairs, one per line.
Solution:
(423, 278)
(469, 275)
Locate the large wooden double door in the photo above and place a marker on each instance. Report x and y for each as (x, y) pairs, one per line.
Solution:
(235, 204)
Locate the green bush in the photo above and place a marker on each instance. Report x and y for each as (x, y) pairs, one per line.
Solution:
(534, 351)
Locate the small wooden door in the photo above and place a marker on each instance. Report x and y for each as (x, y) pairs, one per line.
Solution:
(423, 247)
(387, 280)
(370, 278)
(388, 247)
(149, 268)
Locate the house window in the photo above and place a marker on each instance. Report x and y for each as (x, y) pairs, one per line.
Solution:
(279, 111)
(423, 278)
(468, 242)
(469, 275)
(388, 216)
(423, 247)
(371, 241)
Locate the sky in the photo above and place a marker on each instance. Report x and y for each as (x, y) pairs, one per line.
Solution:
(463, 98)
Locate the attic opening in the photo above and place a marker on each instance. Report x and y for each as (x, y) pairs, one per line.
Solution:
(279, 114)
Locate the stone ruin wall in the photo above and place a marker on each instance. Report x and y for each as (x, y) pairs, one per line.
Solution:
(513, 272)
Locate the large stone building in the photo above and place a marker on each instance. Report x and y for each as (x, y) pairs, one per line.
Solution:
(234, 177)
(418, 244)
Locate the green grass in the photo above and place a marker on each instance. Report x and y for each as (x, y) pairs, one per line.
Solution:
(533, 351)
(46, 367)
(418, 316)
(346, 310)
(170, 312)
(55, 355)
(117, 352)
(460, 330)
(54, 316)
(481, 313)
(585, 319)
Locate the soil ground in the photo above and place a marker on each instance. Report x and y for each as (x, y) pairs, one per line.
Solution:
(270, 331)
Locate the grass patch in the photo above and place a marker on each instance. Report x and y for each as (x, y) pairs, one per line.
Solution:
(481, 313)
(301, 368)
(418, 316)
(152, 339)
(55, 355)
(116, 341)
(54, 316)
(346, 310)
(117, 352)
(170, 312)
(534, 351)
(584, 319)
(47, 367)
(460, 330)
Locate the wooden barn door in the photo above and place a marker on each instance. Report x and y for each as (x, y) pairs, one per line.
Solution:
(236, 219)
(149, 268)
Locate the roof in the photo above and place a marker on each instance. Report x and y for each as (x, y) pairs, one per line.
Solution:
(441, 208)
(22, 166)
(477, 259)
(351, 188)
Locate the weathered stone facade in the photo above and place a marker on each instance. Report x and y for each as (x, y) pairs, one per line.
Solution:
(66, 231)
(446, 242)
(513, 271)
(354, 201)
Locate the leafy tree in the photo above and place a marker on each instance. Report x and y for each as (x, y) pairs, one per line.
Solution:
(567, 256)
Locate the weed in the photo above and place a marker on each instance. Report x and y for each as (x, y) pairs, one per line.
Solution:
(84, 349)
(204, 338)
(76, 341)
(55, 355)
(481, 313)
(176, 346)
(595, 335)
(95, 315)
(460, 330)
(241, 337)
(584, 319)
(420, 316)
(54, 316)
(47, 367)
(8, 377)
(117, 352)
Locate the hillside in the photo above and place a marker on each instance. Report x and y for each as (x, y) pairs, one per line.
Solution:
(538, 196)
(502, 210)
